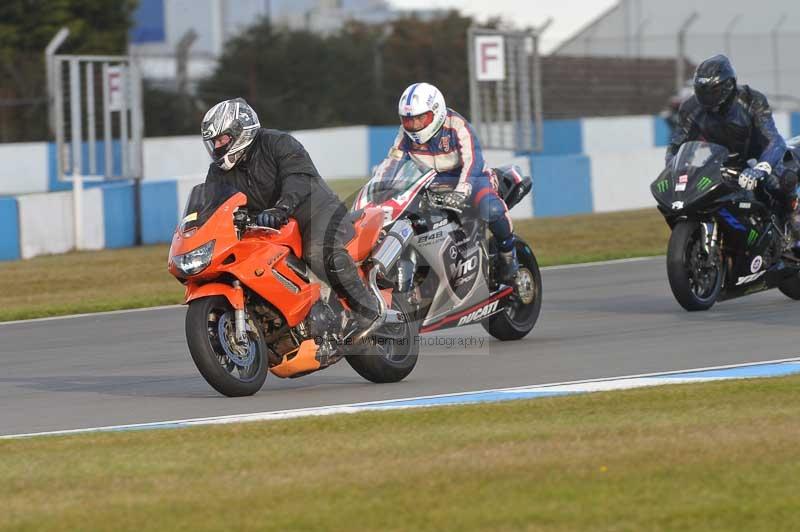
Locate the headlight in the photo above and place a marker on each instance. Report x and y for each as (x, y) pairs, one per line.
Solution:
(196, 260)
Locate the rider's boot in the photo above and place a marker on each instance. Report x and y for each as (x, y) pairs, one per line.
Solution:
(507, 265)
(364, 309)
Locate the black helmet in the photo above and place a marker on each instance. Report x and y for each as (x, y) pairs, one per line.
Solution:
(714, 83)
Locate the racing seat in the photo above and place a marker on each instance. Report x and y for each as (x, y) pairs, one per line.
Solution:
(512, 186)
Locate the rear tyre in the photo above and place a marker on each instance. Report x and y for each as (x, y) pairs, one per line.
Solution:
(522, 306)
(695, 283)
(229, 368)
(391, 351)
(790, 287)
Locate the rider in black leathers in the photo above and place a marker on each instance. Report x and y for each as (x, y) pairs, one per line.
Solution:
(739, 118)
(279, 179)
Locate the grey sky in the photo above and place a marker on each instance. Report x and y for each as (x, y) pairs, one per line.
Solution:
(568, 15)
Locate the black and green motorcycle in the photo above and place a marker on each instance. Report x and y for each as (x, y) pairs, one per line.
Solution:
(726, 242)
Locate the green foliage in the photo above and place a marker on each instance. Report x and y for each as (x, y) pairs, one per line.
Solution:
(26, 27)
(297, 79)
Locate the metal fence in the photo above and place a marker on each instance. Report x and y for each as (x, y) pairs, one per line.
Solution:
(765, 60)
(505, 88)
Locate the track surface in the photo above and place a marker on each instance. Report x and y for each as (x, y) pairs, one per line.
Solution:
(597, 321)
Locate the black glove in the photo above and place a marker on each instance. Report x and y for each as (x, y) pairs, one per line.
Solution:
(454, 200)
(275, 217)
(458, 198)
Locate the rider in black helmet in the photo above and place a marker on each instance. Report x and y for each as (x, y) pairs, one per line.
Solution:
(739, 118)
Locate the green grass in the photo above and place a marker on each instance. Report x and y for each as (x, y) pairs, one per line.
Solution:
(134, 278)
(714, 456)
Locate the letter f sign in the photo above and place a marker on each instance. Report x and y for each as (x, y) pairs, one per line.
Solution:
(490, 58)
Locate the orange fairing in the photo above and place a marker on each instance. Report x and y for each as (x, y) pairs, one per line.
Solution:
(196, 291)
(258, 260)
(303, 360)
(368, 229)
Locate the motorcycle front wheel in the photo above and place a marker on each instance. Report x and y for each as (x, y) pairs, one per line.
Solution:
(695, 284)
(231, 368)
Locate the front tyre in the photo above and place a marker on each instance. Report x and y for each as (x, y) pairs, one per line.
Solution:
(524, 304)
(230, 368)
(391, 351)
(694, 277)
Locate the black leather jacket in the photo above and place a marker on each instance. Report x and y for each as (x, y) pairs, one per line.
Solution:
(745, 127)
(277, 170)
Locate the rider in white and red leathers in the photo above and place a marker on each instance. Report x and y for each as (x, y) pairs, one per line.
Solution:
(439, 138)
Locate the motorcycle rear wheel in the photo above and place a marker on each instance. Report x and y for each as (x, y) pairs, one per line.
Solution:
(693, 287)
(523, 306)
(790, 287)
(231, 370)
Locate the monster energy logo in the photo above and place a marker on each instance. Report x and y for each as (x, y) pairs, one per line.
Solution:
(704, 183)
(662, 185)
(751, 237)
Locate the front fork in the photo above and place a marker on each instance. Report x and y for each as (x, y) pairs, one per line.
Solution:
(239, 315)
(710, 235)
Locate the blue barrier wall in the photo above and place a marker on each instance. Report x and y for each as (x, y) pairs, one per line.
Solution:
(661, 132)
(159, 211)
(9, 222)
(561, 185)
(795, 124)
(562, 137)
(380, 139)
(100, 161)
(118, 210)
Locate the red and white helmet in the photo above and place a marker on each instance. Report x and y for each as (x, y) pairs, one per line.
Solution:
(422, 111)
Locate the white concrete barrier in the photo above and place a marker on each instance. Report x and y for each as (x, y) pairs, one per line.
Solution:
(46, 222)
(339, 152)
(621, 180)
(24, 169)
(174, 157)
(623, 133)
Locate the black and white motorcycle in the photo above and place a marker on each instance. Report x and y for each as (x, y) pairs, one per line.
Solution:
(448, 261)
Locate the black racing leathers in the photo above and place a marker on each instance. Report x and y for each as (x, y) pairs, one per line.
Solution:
(277, 171)
(745, 126)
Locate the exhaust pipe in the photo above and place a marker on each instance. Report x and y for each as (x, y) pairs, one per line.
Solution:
(392, 246)
(383, 260)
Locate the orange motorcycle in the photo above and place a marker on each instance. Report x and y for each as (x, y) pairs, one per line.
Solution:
(256, 308)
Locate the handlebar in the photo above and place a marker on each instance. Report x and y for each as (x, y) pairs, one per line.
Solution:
(437, 199)
(244, 222)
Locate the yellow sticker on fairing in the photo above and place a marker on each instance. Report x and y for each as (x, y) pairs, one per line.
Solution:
(189, 218)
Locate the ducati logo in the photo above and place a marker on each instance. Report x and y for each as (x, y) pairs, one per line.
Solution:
(479, 314)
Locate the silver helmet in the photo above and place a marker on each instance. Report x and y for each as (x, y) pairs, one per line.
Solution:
(237, 120)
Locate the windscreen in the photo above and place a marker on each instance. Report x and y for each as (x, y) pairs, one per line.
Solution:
(698, 154)
(392, 177)
(203, 202)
